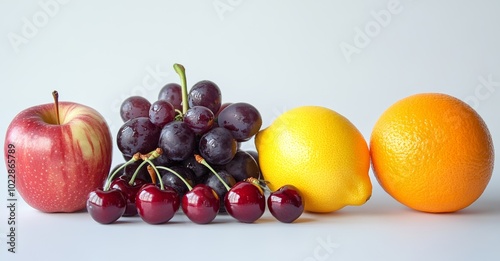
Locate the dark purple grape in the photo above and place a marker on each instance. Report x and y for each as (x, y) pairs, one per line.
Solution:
(219, 188)
(206, 94)
(200, 119)
(161, 112)
(222, 107)
(142, 174)
(137, 135)
(177, 140)
(243, 166)
(172, 93)
(170, 179)
(134, 107)
(242, 119)
(200, 171)
(163, 160)
(254, 155)
(217, 146)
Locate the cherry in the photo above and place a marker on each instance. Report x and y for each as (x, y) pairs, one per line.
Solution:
(156, 205)
(286, 204)
(129, 191)
(245, 202)
(201, 204)
(128, 183)
(106, 206)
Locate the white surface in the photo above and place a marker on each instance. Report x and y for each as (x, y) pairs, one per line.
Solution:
(276, 55)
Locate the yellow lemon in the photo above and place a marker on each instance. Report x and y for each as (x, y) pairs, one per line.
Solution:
(321, 153)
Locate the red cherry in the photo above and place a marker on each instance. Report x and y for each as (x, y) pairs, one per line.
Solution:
(129, 191)
(156, 206)
(107, 206)
(201, 204)
(286, 204)
(245, 202)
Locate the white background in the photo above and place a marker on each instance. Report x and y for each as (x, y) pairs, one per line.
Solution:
(275, 55)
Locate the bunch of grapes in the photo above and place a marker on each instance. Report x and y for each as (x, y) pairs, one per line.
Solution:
(183, 124)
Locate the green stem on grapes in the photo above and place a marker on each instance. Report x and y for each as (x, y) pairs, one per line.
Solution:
(110, 178)
(178, 115)
(177, 174)
(202, 161)
(181, 71)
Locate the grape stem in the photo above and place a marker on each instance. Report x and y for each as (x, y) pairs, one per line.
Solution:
(178, 115)
(202, 161)
(176, 174)
(181, 71)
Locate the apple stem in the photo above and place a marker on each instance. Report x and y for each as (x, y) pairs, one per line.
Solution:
(110, 178)
(202, 161)
(176, 174)
(181, 71)
(55, 94)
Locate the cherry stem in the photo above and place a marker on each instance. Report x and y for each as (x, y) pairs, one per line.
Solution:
(255, 182)
(152, 155)
(55, 94)
(181, 71)
(132, 179)
(176, 174)
(152, 174)
(147, 159)
(135, 158)
(152, 166)
(202, 161)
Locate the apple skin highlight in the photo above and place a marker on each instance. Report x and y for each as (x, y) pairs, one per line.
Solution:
(58, 165)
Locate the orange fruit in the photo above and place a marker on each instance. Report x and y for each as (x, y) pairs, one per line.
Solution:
(432, 152)
(321, 153)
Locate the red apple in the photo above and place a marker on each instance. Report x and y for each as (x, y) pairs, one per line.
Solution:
(63, 151)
